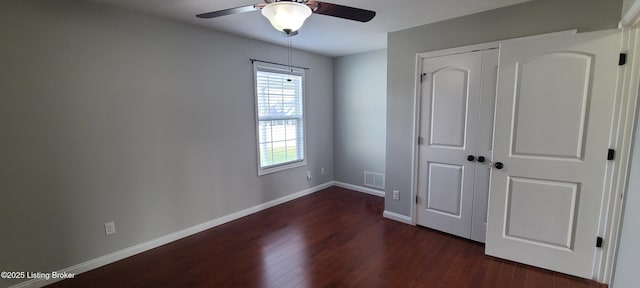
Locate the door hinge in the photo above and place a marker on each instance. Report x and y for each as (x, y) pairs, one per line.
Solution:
(420, 140)
(417, 199)
(623, 59)
(611, 154)
(599, 242)
(422, 76)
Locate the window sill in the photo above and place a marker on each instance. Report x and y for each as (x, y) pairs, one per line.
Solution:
(283, 167)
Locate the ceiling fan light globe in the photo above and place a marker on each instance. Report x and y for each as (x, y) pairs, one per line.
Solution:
(286, 16)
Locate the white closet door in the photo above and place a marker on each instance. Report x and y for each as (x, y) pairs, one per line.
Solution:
(552, 126)
(448, 124)
(484, 145)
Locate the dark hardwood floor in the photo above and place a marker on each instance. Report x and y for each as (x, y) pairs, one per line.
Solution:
(333, 238)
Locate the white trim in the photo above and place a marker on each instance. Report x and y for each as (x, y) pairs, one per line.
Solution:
(459, 50)
(417, 93)
(279, 167)
(397, 217)
(357, 188)
(133, 250)
(489, 45)
(632, 17)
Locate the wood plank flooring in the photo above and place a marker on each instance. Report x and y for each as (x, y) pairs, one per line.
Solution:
(332, 238)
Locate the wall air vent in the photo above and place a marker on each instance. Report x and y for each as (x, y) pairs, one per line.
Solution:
(373, 179)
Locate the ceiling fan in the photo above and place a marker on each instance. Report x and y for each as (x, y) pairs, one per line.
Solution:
(289, 15)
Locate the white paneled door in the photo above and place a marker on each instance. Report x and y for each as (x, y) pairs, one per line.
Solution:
(552, 128)
(451, 148)
(484, 144)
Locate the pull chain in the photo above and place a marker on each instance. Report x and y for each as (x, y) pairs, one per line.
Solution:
(290, 56)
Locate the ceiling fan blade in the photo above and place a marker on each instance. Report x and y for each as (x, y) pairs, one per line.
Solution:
(229, 11)
(345, 12)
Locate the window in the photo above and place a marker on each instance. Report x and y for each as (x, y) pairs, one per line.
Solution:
(279, 117)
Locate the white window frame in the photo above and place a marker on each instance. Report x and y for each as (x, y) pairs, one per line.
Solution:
(274, 68)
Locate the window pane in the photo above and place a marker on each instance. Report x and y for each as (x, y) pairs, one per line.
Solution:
(279, 130)
(266, 155)
(279, 95)
(292, 151)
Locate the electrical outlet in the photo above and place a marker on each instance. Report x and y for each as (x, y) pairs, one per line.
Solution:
(110, 228)
(308, 175)
(396, 195)
(321, 171)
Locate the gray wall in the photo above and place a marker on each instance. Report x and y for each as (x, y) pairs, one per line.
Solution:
(109, 115)
(535, 17)
(360, 101)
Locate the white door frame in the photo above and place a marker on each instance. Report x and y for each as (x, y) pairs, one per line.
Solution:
(621, 138)
(626, 99)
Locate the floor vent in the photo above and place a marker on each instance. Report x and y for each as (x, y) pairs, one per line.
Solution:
(373, 179)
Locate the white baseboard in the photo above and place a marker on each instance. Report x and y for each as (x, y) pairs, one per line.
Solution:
(359, 188)
(397, 217)
(128, 252)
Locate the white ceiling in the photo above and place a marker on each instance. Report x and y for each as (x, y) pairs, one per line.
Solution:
(320, 34)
